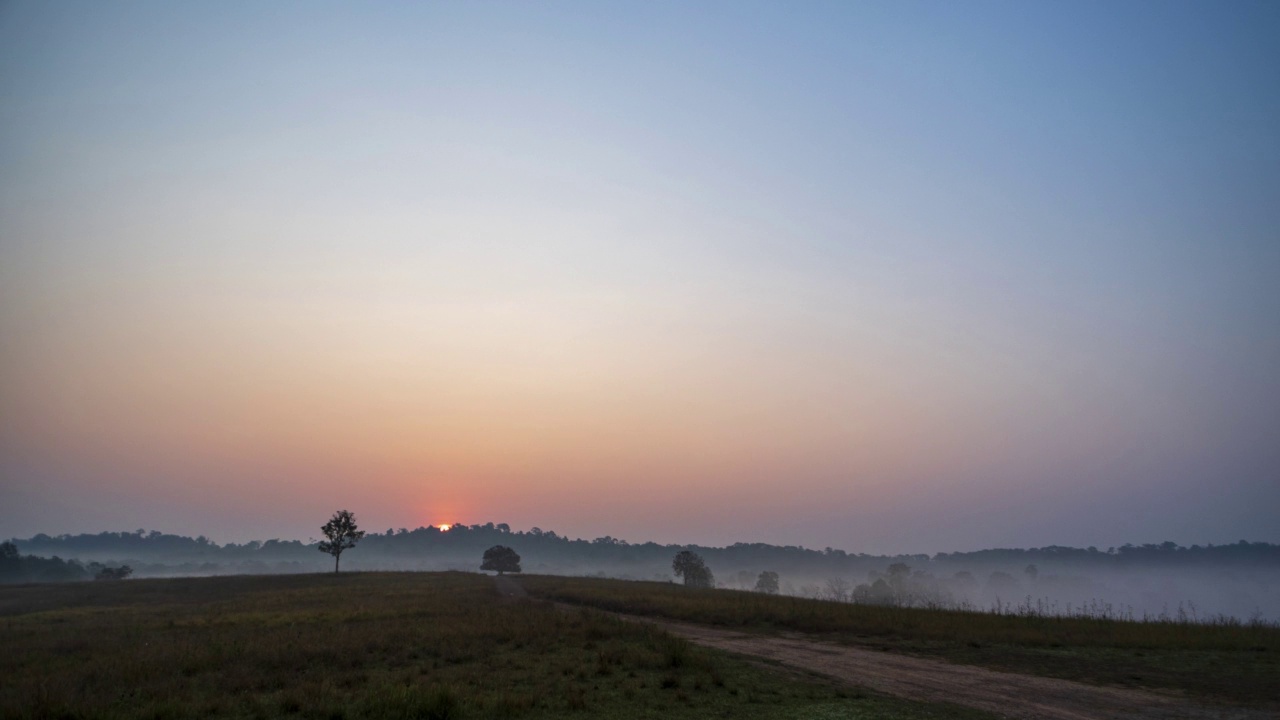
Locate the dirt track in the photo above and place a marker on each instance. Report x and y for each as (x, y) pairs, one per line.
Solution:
(1004, 694)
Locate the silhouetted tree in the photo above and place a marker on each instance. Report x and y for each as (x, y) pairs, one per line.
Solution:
(689, 565)
(342, 533)
(767, 582)
(837, 589)
(880, 593)
(502, 559)
(899, 570)
(899, 577)
(1032, 571)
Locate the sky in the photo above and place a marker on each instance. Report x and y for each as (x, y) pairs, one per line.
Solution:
(881, 276)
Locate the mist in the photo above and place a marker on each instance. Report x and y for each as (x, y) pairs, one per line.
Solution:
(1166, 581)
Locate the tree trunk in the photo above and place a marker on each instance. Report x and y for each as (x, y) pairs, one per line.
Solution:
(335, 564)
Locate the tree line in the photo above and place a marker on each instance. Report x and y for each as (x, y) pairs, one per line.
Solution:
(18, 568)
(546, 551)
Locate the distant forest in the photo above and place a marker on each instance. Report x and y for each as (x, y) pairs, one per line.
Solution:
(158, 554)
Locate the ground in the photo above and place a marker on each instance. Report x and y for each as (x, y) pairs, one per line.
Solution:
(377, 645)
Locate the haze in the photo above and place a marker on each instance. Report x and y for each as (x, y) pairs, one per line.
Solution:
(888, 277)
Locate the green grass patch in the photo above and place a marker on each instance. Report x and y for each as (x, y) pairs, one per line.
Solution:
(373, 645)
(1223, 661)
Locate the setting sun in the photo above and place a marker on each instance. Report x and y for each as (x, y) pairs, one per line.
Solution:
(445, 527)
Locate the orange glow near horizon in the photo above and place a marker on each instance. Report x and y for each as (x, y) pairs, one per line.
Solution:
(444, 527)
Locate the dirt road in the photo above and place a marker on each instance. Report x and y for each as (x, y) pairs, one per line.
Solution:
(1005, 694)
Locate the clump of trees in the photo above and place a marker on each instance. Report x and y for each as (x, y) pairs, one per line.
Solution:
(690, 566)
(18, 568)
(767, 582)
(342, 534)
(501, 559)
(900, 586)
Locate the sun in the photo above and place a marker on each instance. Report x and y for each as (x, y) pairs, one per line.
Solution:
(444, 527)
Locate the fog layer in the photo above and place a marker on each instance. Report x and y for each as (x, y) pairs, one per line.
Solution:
(1165, 581)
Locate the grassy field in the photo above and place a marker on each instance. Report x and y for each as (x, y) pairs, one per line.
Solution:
(1226, 662)
(373, 645)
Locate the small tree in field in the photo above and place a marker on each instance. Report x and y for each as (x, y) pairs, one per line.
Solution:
(502, 559)
(689, 565)
(342, 533)
(767, 582)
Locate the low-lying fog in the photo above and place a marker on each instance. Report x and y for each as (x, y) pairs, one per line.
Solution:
(1166, 581)
(1137, 592)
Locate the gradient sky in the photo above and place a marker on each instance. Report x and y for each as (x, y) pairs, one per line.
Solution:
(883, 276)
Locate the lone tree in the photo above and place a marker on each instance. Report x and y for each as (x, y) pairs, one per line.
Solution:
(342, 533)
(689, 565)
(502, 559)
(767, 582)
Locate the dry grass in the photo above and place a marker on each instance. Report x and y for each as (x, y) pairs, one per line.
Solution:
(376, 645)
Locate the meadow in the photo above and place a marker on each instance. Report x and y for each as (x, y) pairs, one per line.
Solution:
(1223, 661)
(374, 645)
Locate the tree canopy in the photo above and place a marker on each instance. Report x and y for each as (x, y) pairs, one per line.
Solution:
(501, 559)
(767, 582)
(690, 566)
